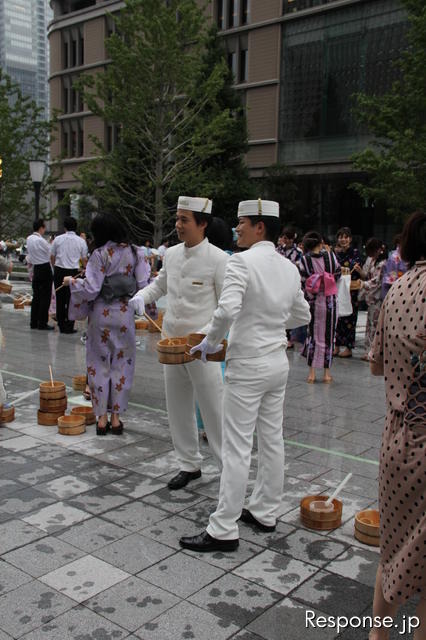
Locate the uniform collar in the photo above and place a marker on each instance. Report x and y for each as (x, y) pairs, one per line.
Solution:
(69, 232)
(263, 243)
(193, 250)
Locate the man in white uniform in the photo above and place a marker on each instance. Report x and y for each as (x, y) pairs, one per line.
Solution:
(192, 278)
(38, 257)
(69, 251)
(261, 298)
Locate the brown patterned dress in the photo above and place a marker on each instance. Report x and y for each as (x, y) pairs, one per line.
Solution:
(400, 341)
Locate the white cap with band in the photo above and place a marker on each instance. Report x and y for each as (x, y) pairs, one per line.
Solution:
(259, 208)
(203, 205)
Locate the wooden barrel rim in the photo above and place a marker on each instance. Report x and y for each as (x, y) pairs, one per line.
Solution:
(368, 522)
(321, 525)
(319, 516)
(71, 421)
(372, 541)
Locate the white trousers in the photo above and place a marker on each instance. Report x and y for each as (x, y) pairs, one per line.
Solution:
(186, 383)
(253, 398)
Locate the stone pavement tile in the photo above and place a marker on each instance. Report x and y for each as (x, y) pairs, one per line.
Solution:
(20, 443)
(74, 463)
(136, 485)
(325, 441)
(230, 560)
(181, 574)
(98, 500)
(290, 616)
(47, 452)
(78, 623)
(43, 556)
(6, 434)
(102, 474)
(263, 539)
(11, 577)
(135, 515)
(12, 463)
(35, 473)
(398, 631)
(208, 489)
(345, 534)
(295, 490)
(341, 463)
(358, 485)
(55, 517)
(65, 487)
(22, 502)
(30, 606)
(313, 424)
(186, 621)
(334, 595)
(155, 467)
(3, 636)
(134, 553)
(303, 470)
(357, 564)
(234, 599)
(169, 530)
(9, 486)
(371, 454)
(132, 603)
(84, 578)
(309, 547)
(132, 453)
(358, 437)
(173, 501)
(244, 634)
(275, 571)
(200, 512)
(16, 533)
(99, 446)
(354, 422)
(92, 534)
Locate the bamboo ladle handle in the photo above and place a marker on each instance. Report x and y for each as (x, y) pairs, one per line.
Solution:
(155, 324)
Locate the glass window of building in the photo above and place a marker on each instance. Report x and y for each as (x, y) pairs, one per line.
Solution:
(243, 66)
(232, 63)
(220, 15)
(232, 14)
(245, 11)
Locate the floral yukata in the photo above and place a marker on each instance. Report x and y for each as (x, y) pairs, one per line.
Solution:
(110, 345)
(372, 294)
(346, 326)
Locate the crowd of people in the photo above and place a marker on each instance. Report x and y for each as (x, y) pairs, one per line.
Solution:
(272, 293)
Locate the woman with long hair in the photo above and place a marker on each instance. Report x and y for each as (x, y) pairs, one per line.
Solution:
(371, 288)
(114, 272)
(399, 354)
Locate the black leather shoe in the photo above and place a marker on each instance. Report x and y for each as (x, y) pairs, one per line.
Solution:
(205, 543)
(249, 518)
(183, 477)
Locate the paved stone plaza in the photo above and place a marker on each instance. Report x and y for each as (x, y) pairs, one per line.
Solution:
(89, 532)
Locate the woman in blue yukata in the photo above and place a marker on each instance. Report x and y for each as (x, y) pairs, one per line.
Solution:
(115, 271)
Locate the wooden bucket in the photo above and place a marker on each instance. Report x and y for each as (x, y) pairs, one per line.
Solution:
(18, 304)
(7, 414)
(141, 325)
(79, 383)
(72, 425)
(5, 286)
(318, 519)
(53, 406)
(195, 338)
(52, 392)
(28, 302)
(86, 412)
(152, 328)
(367, 527)
(172, 351)
(48, 419)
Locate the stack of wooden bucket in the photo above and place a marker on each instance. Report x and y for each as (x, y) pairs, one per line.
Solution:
(79, 383)
(7, 414)
(5, 286)
(53, 403)
(367, 527)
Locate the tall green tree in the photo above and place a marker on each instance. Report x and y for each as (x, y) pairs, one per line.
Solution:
(24, 135)
(396, 159)
(167, 89)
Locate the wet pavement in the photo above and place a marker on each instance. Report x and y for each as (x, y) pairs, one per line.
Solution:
(89, 531)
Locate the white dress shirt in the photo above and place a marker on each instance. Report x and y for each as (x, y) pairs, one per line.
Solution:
(38, 249)
(261, 298)
(68, 249)
(192, 279)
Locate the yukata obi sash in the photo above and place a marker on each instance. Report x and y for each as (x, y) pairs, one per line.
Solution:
(321, 281)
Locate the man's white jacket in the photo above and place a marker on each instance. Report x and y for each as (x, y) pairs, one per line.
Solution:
(192, 279)
(261, 298)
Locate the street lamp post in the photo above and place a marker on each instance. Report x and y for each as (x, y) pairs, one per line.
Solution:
(37, 171)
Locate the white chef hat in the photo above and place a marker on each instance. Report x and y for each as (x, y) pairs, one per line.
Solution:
(203, 205)
(259, 208)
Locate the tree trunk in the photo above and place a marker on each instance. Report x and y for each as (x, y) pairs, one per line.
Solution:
(159, 204)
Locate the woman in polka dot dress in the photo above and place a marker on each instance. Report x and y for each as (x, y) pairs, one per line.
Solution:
(398, 353)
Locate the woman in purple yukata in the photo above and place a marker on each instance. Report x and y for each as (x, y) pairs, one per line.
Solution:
(319, 270)
(114, 272)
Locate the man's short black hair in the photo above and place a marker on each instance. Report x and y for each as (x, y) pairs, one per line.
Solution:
(70, 223)
(272, 226)
(201, 217)
(37, 224)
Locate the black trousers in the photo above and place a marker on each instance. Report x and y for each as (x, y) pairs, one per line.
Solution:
(63, 299)
(42, 293)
